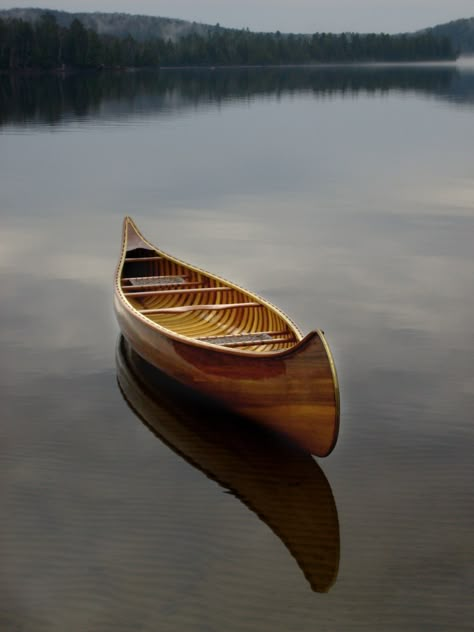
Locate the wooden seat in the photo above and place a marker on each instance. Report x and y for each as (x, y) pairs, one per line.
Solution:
(156, 281)
(260, 338)
(179, 291)
(257, 336)
(254, 343)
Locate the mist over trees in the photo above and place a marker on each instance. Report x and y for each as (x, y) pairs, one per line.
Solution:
(459, 32)
(45, 44)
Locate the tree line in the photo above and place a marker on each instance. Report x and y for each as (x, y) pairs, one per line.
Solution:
(46, 45)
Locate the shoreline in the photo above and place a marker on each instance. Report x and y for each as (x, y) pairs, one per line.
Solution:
(37, 72)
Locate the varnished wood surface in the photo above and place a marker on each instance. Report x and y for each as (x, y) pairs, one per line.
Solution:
(282, 484)
(163, 304)
(290, 381)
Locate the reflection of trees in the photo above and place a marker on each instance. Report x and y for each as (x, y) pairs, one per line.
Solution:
(52, 99)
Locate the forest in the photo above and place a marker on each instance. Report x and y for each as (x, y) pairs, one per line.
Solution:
(45, 45)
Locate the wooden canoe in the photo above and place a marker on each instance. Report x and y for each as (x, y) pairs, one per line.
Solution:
(282, 484)
(226, 342)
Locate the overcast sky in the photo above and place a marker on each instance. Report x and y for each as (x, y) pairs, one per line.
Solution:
(285, 15)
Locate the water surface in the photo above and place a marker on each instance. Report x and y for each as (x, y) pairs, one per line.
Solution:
(344, 195)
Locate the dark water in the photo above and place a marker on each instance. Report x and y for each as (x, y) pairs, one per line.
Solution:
(344, 195)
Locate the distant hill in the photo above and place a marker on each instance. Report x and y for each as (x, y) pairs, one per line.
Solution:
(144, 27)
(140, 27)
(459, 32)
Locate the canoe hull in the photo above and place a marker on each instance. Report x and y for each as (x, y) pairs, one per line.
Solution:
(294, 392)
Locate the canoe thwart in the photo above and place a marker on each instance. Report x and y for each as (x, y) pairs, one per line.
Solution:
(140, 259)
(195, 308)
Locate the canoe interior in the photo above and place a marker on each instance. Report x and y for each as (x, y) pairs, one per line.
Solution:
(195, 304)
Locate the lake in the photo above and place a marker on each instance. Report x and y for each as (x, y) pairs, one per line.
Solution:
(345, 195)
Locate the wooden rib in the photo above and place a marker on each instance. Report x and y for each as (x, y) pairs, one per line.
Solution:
(194, 308)
(135, 259)
(178, 291)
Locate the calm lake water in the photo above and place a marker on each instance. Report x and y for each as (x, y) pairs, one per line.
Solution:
(345, 196)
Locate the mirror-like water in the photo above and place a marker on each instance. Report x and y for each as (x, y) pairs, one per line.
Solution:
(345, 196)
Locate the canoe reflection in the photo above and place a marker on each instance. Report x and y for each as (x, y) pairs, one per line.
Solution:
(280, 482)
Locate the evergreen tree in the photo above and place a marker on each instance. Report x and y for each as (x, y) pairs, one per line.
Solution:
(46, 45)
(47, 49)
